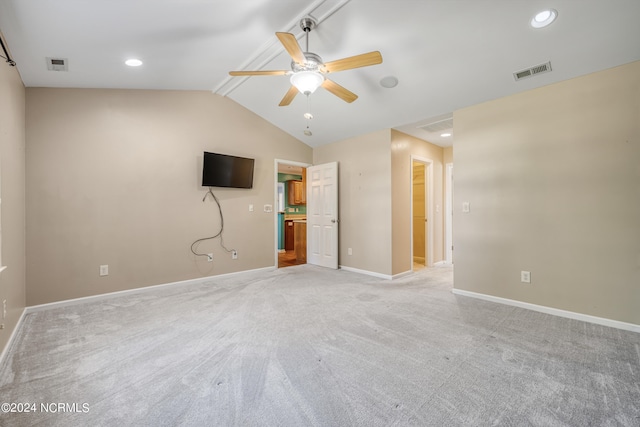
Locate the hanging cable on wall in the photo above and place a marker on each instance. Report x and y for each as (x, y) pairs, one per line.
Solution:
(6, 54)
(219, 234)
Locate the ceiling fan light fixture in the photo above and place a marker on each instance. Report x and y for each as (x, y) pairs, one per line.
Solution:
(389, 82)
(307, 81)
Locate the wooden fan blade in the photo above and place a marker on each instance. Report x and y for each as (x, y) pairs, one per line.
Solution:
(259, 73)
(342, 93)
(291, 45)
(288, 97)
(363, 60)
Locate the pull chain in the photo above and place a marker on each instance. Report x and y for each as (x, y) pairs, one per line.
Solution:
(308, 116)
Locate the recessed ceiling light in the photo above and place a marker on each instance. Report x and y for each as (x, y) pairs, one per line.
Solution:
(389, 82)
(133, 62)
(544, 18)
(445, 135)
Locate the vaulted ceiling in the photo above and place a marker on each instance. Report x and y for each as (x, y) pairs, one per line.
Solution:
(445, 54)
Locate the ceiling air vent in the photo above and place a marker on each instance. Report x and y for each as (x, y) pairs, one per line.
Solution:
(532, 71)
(57, 64)
(438, 126)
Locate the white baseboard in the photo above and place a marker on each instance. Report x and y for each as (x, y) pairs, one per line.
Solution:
(553, 311)
(74, 301)
(366, 272)
(375, 274)
(385, 276)
(7, 346)
(399, 275)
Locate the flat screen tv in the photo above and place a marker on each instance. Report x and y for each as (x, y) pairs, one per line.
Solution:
(221, 170)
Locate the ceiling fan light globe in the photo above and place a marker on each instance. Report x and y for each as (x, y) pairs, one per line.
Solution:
(307, 81)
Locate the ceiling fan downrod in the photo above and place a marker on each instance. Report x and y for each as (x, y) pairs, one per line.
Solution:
(307, 24)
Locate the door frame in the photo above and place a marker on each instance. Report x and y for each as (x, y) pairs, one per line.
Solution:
(428, 171)
(448, 217)
(277, 163)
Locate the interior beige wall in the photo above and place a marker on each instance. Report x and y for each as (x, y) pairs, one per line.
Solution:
(447, 155)
(12, 181)
(113, 177)
(404, 146)
(553, 180)
(364, 173)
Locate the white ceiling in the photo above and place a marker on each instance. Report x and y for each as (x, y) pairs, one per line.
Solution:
(445, 54)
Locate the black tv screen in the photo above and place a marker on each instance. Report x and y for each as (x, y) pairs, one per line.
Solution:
(221, 170)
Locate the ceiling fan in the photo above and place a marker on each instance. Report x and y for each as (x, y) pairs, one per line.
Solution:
(308, 71)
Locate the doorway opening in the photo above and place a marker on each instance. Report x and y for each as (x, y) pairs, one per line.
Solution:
(291, 213)
(421, 213)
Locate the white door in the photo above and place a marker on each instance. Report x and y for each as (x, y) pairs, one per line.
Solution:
(322, 215)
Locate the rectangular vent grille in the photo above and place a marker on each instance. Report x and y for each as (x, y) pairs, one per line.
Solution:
(438, 126)
(532, 71)
(57, 64)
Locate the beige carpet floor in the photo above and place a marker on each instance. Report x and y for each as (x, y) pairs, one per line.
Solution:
(306, 346)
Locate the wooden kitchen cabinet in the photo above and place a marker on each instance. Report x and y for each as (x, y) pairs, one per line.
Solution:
(289, 236)
(297, 193)
(300, 241)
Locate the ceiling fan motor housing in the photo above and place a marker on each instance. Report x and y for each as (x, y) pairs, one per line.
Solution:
(313, 63)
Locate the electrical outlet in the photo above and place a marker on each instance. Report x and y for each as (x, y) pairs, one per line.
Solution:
(349, 251)
(525, 276)
(210, 257)
(234, 254)
(104, 270)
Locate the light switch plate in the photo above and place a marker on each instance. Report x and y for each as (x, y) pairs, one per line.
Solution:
(466, 207)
